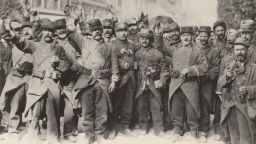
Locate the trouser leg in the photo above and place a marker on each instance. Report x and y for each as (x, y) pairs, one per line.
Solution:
(88, 111)
(70, 118)
(143, 110)
(156, 112)
(205, 115)
(16, 111)
(101, 113)
(192, 120)
(232, 124)
(217, 116)
(53, 117)
(178, 109)
(166, 114)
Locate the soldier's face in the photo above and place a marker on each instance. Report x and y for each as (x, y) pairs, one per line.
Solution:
(27, 32)
(132, 29)
(122, 35)
(204, 38)
(240, 52)
(247, 35)
(60, 33)
(186, 38)
(47, 35)
(97, 34)
(220, 32)
(144, 41)
(107, 32)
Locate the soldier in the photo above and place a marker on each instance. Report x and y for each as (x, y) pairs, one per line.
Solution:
(123, 97)
(171, 36)
(189, 63)
(238, 96)
(152, 75)
(207, 82)
(228, 48)
(247, 28)
(219, 29)
(43, 94)
(108, 30)
(14, 92)
(219, 43)
(71, 110)
(101, 64)
(132, 31)
(84, 27)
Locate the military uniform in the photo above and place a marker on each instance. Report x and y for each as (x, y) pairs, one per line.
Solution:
(208, 82)
(107, 23)
(151, 69)
(101, 60)
(43, 94)
(184, 91)
(170, 44)
(237, 109)
(14, 93)
(69, 77)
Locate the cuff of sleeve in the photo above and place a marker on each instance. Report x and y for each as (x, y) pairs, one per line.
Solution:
(114, 78)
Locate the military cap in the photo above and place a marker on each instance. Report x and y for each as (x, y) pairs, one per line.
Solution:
(145, 33)
(170, 27)
(204, 29)
(60, 23)
(84, 28)
(47, 24)
(219, 23)
(121, 26)
(131, 22)
(195, 29)
(26, 22)
(186, 29)
(95, 24)
(242, 41)
(247, 26)
(107, 23)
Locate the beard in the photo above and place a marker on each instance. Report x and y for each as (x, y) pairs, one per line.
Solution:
(48, 39)
(133, 31)
(107, 35)
(175, 37)
(97, 36)
(220, 37)
(240, 58)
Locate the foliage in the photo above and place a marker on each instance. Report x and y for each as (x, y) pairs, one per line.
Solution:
(9, 7)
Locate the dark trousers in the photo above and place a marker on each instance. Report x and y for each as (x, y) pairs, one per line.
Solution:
(94, 110)
(166, 115)
(50, 106)
(181, 109)
(205, 114)
(147, 103)
(16, 108)
(122, 101)
(71, 117)
(217, 116)
(238, 127)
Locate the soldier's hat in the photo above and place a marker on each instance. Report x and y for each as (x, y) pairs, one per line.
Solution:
(107, 23)
(26, 22)
(47, 24)
(206, 29)
(60, 24)
(195, 29)
(146, 33)
(242, 41)
(219, 23)
(121, 26)
(171, 27)
(247, 26)
(186, 29)
(131, 22)
(84, 28)
(95, 24)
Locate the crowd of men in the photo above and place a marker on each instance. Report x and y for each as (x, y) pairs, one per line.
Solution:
(122, 76)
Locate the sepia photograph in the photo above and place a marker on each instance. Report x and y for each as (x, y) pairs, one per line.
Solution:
(127, 71)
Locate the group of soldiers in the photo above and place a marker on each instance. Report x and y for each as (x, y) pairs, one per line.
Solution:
(122, 76)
